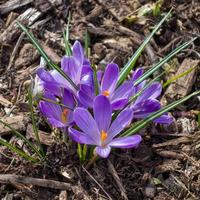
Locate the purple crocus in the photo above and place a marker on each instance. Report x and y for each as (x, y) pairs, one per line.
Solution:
(147, 102)
(100, 131)
(58, 115)
(76, 67)
(108, 87)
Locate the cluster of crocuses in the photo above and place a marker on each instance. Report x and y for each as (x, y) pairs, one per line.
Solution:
(85, 112)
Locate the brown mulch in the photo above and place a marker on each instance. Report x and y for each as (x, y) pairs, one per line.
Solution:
(167, 163)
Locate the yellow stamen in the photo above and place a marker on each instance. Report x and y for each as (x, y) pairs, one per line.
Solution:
(106, 93)
(64, 115)
(104, 136)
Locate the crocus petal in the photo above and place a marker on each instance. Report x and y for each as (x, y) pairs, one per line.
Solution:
(56, 123)
(44, 75)
(71, 68)
(50, 110)
(164, 119)
(119, 103)
(87, 124)
(152, 92)
(126, 142)
(145, 107)
(110, 78)
(68, 99)
(85, 99)
(78, 52)
(122, 120)
(136, 74)
(123, 91)
(103, 151)
(102, 112)
(80, 137)
(99, 75)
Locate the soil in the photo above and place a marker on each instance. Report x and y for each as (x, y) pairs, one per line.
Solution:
(167, 163)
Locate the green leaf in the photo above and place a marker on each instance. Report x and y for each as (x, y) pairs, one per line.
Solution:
(66, 38)
(163, 61)
(174, 78)
(45, 56)
(27, 142)
(35, 129)
(86, 43)
(157, 114)
(18, 151)
(128, 67)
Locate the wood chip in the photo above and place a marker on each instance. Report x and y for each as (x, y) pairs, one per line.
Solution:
(182, 86)
(4, 101)
(15, 179)
(12, 5)
(45, 138)
(12, 32)
(17, 122)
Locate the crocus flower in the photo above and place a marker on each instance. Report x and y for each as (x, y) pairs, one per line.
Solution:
(147, 103)
(76, 67)
(58, 115)
(108, 87)
(99, 130)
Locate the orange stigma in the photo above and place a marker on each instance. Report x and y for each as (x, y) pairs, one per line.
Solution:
(106, 93)
(104, 136)
(64, 115)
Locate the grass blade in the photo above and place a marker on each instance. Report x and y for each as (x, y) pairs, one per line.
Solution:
(18, 151)
(86, 43)
(66, 38)
(27, 142)
(45, 56)
(157, 114)
(128, 67)
(163, 61)
(35, 129)
(178, 76)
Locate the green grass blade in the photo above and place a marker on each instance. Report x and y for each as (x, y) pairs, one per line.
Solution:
(18, 134)
(163, 61)
(18, 151)
(66, 38)
(45, 56)
(174, 78)
(35, 129)
(128, 67)
(157, 114)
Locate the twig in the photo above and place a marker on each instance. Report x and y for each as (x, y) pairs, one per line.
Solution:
(15, 50)
(15, 179)
(112, 170)
(109, 197)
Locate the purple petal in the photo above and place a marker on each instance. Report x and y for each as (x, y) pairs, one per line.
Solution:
(136, 74)
(122, 120)
(87, 124)
(144, 108)
(80, 137)
(119, 104)
(78, 52)
(56, 123)
(71, 67)
(110, 78)
(126, 142)
(123, 91)
(86, 99)
(102, 112)
(103, 151)
(152, 92)
(164, 119)
(44, 75)
(68, 99)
